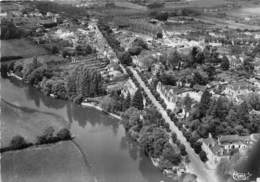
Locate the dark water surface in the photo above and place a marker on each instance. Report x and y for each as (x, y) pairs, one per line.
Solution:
(101, 148)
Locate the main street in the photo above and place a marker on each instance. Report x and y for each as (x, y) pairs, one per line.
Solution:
(196, 165)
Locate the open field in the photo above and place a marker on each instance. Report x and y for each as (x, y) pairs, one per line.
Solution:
(20, 47)
(26, 122)
(59, 162)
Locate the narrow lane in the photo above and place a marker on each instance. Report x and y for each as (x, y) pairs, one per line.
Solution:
(197, 166)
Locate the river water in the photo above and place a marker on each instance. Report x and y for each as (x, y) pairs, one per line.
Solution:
(101, 151)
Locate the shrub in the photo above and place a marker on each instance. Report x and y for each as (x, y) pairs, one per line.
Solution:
(203, 156)
(135, 50)
(126, 59)
(78, 99)
(183, 150)
(18, 142)
(64, 134)
(47, 136)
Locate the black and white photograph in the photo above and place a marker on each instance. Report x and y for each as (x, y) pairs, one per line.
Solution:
(130, 91)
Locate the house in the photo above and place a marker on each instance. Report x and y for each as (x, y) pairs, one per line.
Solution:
(237, 91)
(235, 62)
(225, 145)
(173, 96)
(129, 88)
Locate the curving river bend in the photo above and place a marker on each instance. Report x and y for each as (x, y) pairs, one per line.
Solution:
(101, 151)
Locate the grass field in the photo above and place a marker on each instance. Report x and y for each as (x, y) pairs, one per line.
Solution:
(20, 47)
(61, 162)
(26, 122)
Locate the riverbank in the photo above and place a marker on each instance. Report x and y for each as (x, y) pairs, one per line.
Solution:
(84, 104)
(19, 144)
(34, 147)
(88, 104)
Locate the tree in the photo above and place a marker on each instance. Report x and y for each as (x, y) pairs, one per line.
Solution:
(138, 100)
(109, 104)
(47, 136)
(197, 147)
(162, 16)
(159, 35)
(204, 103)
(18, 142)
(85, 81)
(193, 55)
(167, 79)
(136, 50)
(126, 59)
(221, 108)
(211, 71)
(200, 58)
(174, 137)
(127, 102)
(64, 134)
(171, 154)
(159, 146)
(4, 70)
(59, 89)
(248, 66)
(187, 103)
(254, 101)
(174, 59)
(203, 156)
(9, 31)
(54, 50)
(139, 42)
(225, 63)
(183, 150)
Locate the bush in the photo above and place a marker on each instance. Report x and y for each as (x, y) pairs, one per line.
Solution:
(10, 31)
(203, 156)
(18, 142)
(47, 136)
(78, 99)
(64, 134)
(126, 59)
(183, 150)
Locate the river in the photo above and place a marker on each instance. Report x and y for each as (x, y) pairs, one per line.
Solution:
(102, 152)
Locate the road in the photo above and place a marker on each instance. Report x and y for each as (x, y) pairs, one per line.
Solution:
(196, 165)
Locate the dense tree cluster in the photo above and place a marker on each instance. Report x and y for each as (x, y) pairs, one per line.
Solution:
(48, 136)
(115, 102)
(162, 16)
(137, 46)
(84, 81)
(138, 100)
(147, 127)
(10, 31)
(125, 59)
(221, 117)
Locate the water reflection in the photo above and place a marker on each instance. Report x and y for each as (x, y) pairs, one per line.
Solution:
(101, 138)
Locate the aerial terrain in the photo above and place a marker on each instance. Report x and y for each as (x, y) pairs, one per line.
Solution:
(130, 91)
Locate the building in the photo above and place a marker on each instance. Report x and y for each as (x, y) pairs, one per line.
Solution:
(235, 62)
(225, 145)
(173, 96)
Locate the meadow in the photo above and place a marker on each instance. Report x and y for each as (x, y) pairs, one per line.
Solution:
(20, 47)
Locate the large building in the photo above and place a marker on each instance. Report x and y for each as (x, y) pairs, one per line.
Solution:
(225, 145)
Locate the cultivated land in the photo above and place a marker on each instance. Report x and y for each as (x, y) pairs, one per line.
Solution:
(60, 162)
(20, 48)
(26, 122)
